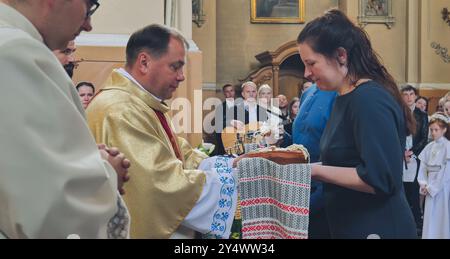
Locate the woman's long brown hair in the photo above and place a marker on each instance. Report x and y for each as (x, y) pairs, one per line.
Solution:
(334, 30)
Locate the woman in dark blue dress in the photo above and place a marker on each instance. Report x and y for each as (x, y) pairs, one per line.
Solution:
(363, 144)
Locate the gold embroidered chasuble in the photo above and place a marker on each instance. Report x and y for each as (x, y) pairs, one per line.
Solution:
(162, 189)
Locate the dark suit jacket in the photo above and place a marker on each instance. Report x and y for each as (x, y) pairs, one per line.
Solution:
(420, 139)
(222, 119)
(224, 115)
(243, 115)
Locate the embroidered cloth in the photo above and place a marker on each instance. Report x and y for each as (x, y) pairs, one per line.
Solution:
(274, 199)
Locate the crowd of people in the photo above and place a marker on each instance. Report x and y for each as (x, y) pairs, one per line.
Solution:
(427, 173)
(117, 170)
(365, 172)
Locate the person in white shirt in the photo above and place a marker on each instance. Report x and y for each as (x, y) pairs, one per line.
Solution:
(266, 101)
(248, 111)
(434, 180)
(224, 114)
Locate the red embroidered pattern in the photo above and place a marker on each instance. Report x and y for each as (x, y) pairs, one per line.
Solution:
(274, 199)
(265, 177)
(275, 234)
(268, 229)
(284, 207)
(275, 223)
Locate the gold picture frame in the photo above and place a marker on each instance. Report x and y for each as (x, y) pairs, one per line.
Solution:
(376, 11)
(277, 11)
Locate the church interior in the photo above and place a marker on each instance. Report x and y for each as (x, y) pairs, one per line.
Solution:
(364, 153)
(227, 47)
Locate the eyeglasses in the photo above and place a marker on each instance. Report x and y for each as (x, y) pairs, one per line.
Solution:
(67, 51)
(94, 5)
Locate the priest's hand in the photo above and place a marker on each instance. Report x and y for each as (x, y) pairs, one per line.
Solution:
(114, 152)
(118, 162)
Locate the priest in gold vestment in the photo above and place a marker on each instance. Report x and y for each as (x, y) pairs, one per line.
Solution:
(167, 196)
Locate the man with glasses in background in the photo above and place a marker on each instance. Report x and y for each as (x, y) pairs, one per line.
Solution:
(66, 57)
(55, 182)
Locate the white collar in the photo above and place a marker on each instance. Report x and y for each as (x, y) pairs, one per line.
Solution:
(124, 73)
(440, 140)
(229, 102)
(250, 104)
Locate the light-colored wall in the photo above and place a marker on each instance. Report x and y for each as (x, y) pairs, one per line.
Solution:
(404, 49)
(125, 17)
(238, 40)
(205, 38)
(98, 62)
(413, 41)
(191, 89)
(390, 44)
(433, 29)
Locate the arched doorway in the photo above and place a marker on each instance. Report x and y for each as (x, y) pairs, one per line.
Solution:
(282, 69)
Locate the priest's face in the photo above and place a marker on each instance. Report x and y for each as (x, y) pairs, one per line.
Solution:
(166, 72)
(64, 21)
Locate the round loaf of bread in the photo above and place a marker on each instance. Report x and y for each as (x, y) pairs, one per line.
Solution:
(295, 154)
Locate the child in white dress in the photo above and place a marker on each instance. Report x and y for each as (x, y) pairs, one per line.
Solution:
(434, 180)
